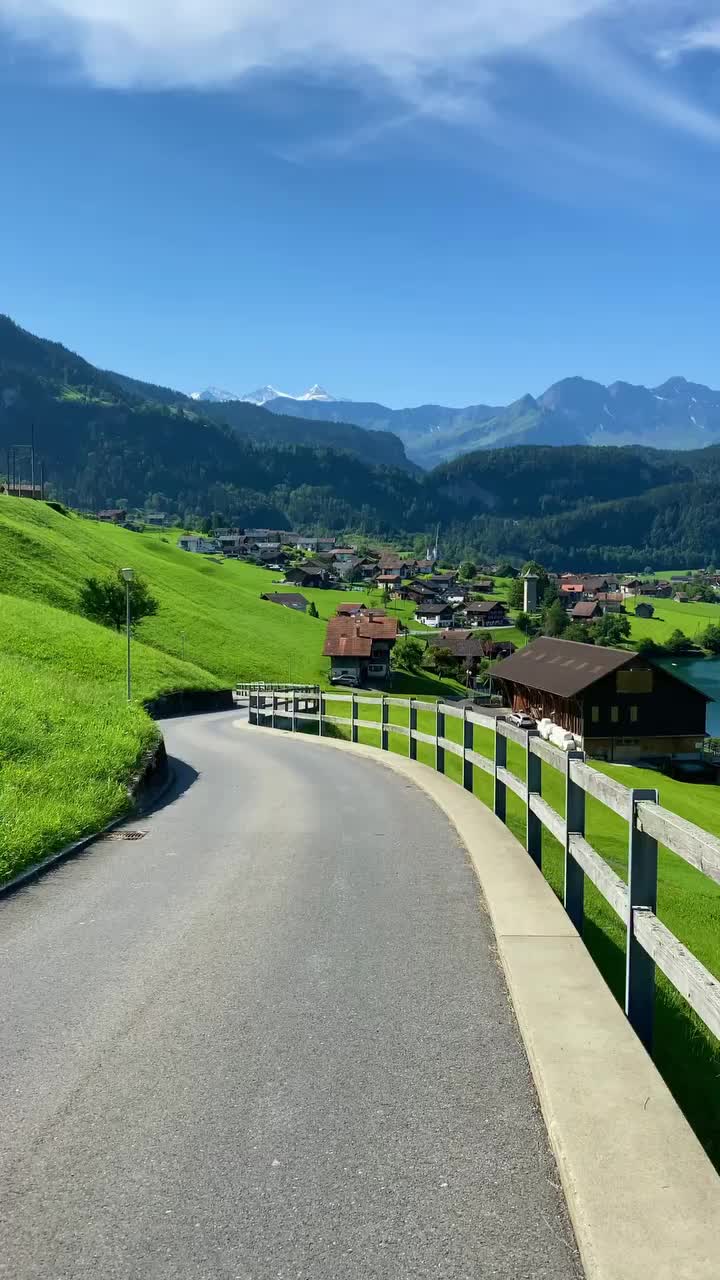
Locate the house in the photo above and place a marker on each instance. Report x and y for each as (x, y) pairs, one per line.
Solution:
(486, 613)
(457, 594)
(631, 587)
(157, 519)
(611, 601)
(351, 609)
(441, 581)
(435, 614)
(36, 491)
(467, 650)
(680, 597)
(389, 581)
(359, 648)
(496, 649)
(309, 574)
(621, 704)
(340, 555)
(113, 515)
(199, 545)
(290, 599)
(586, 611)
(643, 609)
(480, 586)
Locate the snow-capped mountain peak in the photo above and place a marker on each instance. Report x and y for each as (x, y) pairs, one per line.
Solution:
(315, 392)
(264, 394)
(214, 394)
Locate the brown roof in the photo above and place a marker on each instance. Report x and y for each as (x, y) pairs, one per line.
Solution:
(349, 637)
(485, 606)
(563, 667)
(291, 599)
(351, 607)
(585, 609)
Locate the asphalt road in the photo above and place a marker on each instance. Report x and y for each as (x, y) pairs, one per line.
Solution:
(268, 1041)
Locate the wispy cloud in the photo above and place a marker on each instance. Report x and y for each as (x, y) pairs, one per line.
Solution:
(446, 59)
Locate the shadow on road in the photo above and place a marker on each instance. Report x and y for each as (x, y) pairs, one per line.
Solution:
(183, 776)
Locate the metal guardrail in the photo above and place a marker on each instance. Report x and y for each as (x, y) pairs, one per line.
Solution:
(649, 943)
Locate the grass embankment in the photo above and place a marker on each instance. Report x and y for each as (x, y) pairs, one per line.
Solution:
(69, 742)
(686, 1053)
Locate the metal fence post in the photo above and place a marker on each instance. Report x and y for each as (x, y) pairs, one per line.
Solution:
(439, 733)
(252, 711)
(533, 778)
(321, 711)
(574, 879)
(384, 711)
(500, 790)
(293, 709)
(412, 724)
(353, 718)
(468, 743)
(273, 709)
(642, 892)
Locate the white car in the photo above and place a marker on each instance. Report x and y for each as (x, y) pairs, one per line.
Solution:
(521, 720)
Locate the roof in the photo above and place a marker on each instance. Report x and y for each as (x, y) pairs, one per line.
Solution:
(351, 607)
(437, 606)
(486, 606)
(563, 667)
(291, 599)
(388, 577)
(353, 637)
(585, 609)
(572, 588)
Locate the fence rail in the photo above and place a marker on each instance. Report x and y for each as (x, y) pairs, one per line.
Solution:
(648, 942)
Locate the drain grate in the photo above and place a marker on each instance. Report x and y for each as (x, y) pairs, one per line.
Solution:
(123, 835)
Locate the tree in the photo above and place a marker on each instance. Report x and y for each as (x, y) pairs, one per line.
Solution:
(555, 621)
(580, 632)
(206, 525)
(710, 638)
(612, 629)
(524, 623)
(678, 642)
(103, 600)
(312, 610)
(442, 661)
(648, 646)
(408, 653)
(549, 595)
(468, 570)
(507, 570)
(516, 594)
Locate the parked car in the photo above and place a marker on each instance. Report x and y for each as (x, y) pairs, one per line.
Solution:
(521, 720)
(346, 678)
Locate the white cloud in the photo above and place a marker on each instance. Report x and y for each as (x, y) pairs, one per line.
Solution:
(435, 57)
(702, 37)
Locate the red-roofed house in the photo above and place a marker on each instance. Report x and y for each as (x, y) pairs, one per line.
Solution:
(359, 648)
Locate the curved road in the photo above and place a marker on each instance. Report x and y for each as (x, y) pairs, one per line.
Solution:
(268, 1041)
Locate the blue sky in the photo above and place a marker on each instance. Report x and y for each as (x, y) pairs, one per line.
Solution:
(415, 201)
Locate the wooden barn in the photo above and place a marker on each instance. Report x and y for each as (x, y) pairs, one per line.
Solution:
(622, 704)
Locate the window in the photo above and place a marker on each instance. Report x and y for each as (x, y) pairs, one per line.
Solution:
(595, 715)
(615, 714)
(633, 714)
(376, 668)
(635, 680)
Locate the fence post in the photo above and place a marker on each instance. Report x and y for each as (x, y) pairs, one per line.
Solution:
(412, 724)
(468, 742)
(439, 733)
(273, 709)
(384, 710)
(500, 790)
(321, 710)
(353, 718)
(642, 892)
(252, 712)
(574, 879)
(533, 778)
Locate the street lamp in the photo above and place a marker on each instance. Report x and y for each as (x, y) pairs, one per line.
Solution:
(128, 575)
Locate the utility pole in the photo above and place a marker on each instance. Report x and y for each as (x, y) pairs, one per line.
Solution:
(128, 575)
(32, 460)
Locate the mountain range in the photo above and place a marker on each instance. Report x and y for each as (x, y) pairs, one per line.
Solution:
(106, 439)
(675, 415)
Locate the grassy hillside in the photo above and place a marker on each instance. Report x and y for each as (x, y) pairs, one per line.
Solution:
(69, 742)
(692, 618)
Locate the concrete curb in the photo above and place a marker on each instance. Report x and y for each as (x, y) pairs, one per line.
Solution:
(643, 1197)
(39, 869)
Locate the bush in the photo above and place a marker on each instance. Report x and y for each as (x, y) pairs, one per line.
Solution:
(408, 653)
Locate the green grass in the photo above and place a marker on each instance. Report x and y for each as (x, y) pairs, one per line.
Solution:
(69, 742)
(669, 616)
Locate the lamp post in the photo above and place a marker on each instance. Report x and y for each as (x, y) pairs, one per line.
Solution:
(128, 575)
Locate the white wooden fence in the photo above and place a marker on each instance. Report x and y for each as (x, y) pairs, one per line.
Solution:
(649, 942)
